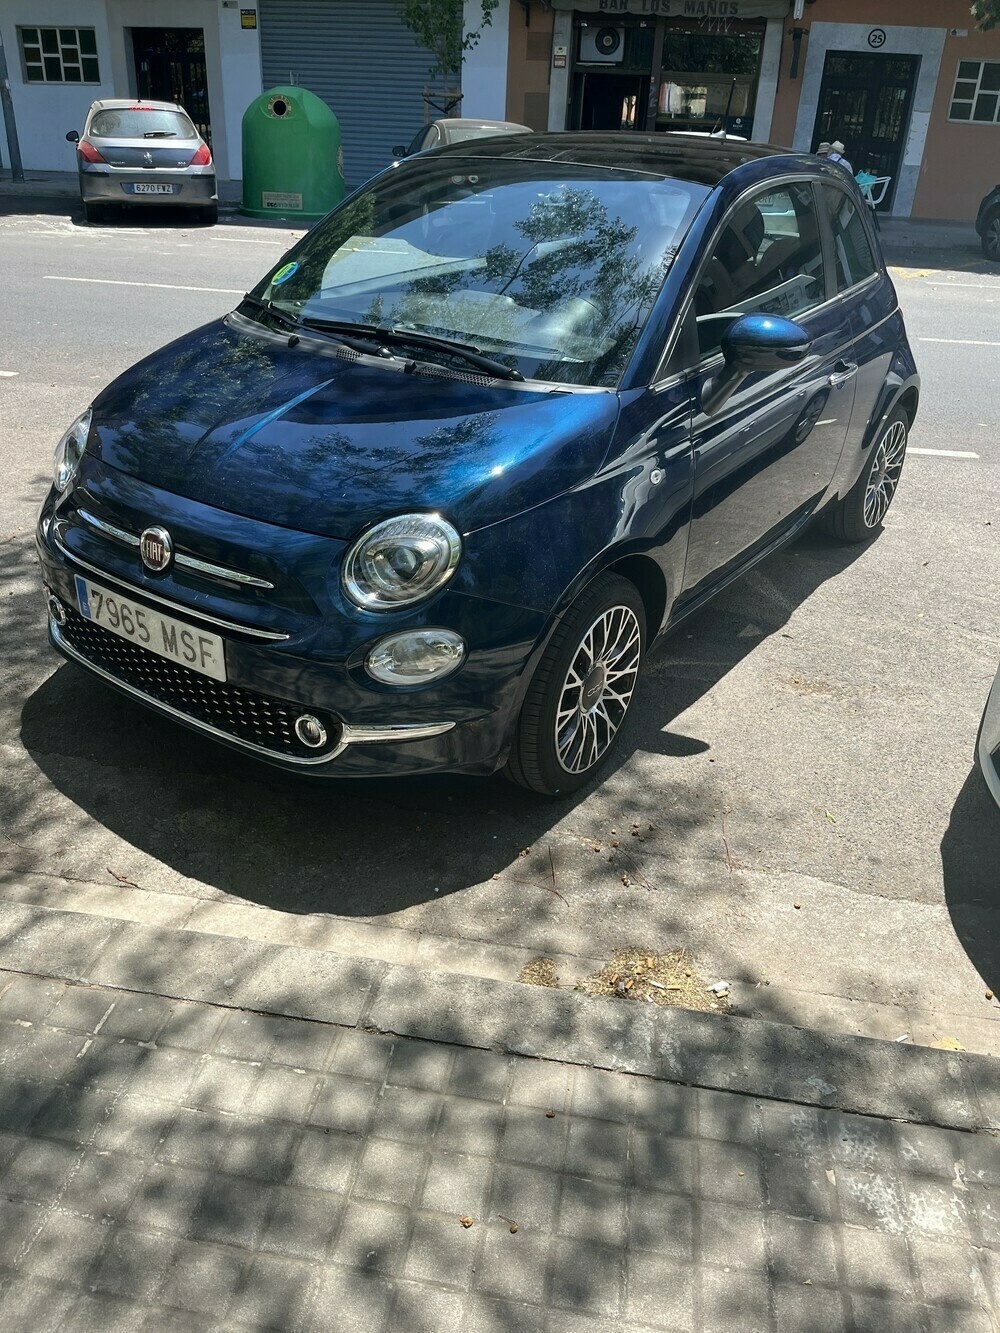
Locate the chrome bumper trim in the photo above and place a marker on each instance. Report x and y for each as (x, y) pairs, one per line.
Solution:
(187, 561)
(405, 731)
(273, 636)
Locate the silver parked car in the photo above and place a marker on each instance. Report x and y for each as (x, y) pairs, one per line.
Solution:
(136, 152)
(988, 745)
(453, 130)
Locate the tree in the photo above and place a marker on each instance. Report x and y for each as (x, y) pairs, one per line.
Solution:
(986, 13)
(438, 26)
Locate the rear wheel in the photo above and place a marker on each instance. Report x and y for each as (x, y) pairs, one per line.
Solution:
(581, 690)
(860, 514)
(991, 236)
(209, 215)
(95, 214)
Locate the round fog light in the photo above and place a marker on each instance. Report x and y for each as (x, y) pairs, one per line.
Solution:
(310, 731)
(415, 656)
(56, 609)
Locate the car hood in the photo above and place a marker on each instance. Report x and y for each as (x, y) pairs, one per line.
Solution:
(312, 439)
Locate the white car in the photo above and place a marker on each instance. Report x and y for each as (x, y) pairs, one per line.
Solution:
(440, 132)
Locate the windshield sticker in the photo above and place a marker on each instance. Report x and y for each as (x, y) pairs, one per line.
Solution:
(283, 274)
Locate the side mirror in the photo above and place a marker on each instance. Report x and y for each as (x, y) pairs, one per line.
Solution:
(751, 344)
(73, 137)
(399, 151)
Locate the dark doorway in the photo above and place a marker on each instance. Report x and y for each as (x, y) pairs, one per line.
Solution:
(611, 101)
(170, 67)
(865, 102)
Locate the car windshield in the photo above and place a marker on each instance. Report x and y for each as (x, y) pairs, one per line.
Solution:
(129, 122)
(548, 267)
(460, 133)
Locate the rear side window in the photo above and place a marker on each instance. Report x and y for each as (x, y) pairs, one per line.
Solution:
(141, 123)
(769, 259)
(854, 257)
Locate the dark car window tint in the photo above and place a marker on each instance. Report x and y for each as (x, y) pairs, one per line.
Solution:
(769, 258)
(128, 123)
(855, 260)
(416, 144)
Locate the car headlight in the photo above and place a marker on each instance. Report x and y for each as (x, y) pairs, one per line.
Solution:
(401, 561)
(416, 656)
(69, 452)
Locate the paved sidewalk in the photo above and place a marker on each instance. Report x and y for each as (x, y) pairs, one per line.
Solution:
(166, 1164)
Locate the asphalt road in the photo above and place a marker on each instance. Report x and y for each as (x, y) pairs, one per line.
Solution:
(799, 764)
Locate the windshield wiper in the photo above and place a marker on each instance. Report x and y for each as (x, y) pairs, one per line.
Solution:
(468, 352)
(293, 324)
(159, 134)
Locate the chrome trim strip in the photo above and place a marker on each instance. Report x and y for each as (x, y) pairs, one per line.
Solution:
(188, 561)
(405, 731)
(275, 636)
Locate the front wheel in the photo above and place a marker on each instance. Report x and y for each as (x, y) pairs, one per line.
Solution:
(581, 690)
(991, 236)
(860, 514)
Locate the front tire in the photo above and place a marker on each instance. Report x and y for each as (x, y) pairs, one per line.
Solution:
(991, 236)
(861, 513)
(582, 688)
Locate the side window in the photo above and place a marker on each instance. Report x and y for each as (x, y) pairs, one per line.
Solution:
(768, 259)
(855, 260)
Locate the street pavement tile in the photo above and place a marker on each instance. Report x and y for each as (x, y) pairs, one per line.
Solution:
(540, 1083)
(13, 1039)
(246, 1036)
(19, 1222)
(134, 1264)
(939, 1209)
(889, 1314)
(926, 1150)
(724, 1115)
(389, 1172)
(456, 1183)
(876, 1262)
(592, 1210)
(512, 1266)
(586, 1276)
(104, 1185)
(530, 1136)
(273, 1294)
(349, 1301)
(48, 1057)
(10, 1146)
(174, 1321)
(800, 1309)
(373, 1237)
(362, 1055)
(419, 1064)
(325, 1160)
(344, 1103)
(441, 1250)
(108, 1062)
(872, 1199)
(981, 1155)
(949, 1273)
(260, 1150)
(479, 1074)
(40, 1170)
(281, 1094)
(81, 1008)
(137, 1017)
(662, 1163)
(483, 1314)
(231, 1212)
(985, 1204)
(862, 1142)
(20, 1102)
(525, 1195)
(94, 1313)
(661, 1222)
(733, 1236)
(659, 1292)
(74, 1115)
(29, 998)
(801, 1186)
(31, 1306)
(167, 1198)
(603, 1095)
(730, 1174)
(734, 1298)
(191, 1027)
(665, 1108)
(195, 1139)
(803, 1250)
(223, 1085)
(597, 1148)
(407, 1114)
(793, 1129)
(302, 1222)
(202, 1278)
(65, 1248)
(302, 1045)
(421, 1309)
(469, 1126)
(136, 1125)
(165, 1075)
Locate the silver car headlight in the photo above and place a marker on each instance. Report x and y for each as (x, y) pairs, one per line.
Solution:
(69, 452)
(401, 561)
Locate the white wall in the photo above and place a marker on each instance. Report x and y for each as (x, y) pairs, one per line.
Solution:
(484, 69)
(242, 81)
(45, 111)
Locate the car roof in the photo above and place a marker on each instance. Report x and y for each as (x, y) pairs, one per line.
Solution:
(702, 161)
(482, 123)
(120, 103)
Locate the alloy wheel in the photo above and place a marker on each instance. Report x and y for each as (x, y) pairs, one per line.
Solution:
(598, 689)
(992, 238)
(884, 475)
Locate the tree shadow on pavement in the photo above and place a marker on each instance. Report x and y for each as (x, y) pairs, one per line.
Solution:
(970, 858)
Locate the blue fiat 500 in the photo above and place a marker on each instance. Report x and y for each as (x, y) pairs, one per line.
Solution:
(423, 501)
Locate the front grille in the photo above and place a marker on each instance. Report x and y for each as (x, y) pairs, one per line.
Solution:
(246, 716)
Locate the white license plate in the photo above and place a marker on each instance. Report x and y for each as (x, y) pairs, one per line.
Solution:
(169, 638)
(153, 189)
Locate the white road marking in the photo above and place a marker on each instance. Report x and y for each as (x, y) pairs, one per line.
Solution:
(943, 453)
(966, 342)
(994, 285)
(8, 374)
(163, 286)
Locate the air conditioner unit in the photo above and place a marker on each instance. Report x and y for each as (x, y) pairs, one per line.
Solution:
(602, 46)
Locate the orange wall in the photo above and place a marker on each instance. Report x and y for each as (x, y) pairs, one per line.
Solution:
(529, 55)
(960, 162)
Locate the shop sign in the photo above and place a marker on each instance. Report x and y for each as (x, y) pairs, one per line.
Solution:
(559, 57)
(876, 38)
(248, 18)
(700, 10)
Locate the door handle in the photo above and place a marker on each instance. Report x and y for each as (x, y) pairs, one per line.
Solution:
(840, 376)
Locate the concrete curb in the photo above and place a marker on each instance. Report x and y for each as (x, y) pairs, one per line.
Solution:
(750, 1056)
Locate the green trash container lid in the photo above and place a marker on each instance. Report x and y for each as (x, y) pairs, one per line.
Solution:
(293, 162)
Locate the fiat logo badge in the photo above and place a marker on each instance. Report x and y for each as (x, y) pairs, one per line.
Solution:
(156, 548)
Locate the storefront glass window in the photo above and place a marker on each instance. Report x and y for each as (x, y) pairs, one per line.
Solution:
(707, 80)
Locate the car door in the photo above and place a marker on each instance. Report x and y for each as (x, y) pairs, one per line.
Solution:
(763, 462)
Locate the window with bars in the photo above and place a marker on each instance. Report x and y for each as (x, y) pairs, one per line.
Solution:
(977, 92)
(59, 55)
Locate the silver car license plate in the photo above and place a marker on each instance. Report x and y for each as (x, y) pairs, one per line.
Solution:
(169, 638)
(143, 188)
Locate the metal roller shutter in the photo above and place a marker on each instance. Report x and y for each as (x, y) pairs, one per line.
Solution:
(360, 58)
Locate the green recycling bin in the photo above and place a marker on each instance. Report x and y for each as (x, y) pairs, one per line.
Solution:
(293, 164)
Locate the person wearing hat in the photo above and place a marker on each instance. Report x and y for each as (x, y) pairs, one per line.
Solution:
(836, 154)
(824, 149)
